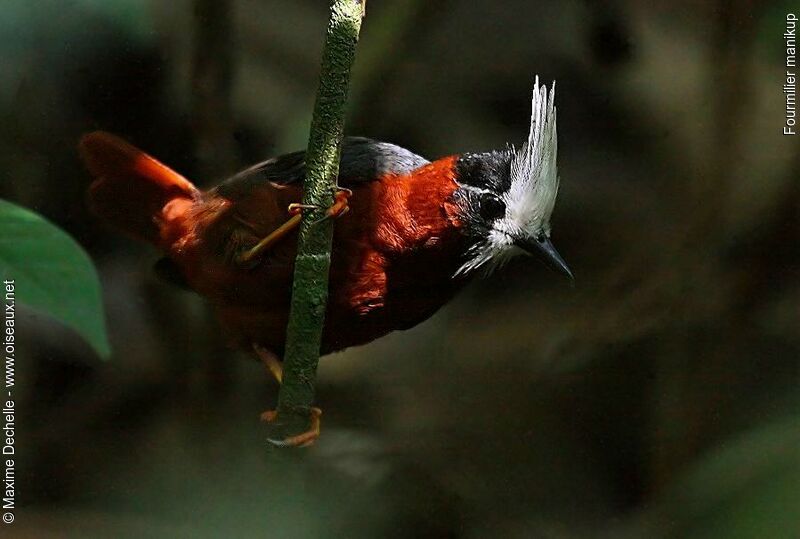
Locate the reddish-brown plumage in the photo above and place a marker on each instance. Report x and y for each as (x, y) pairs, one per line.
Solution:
(130, 186)
(394, 253)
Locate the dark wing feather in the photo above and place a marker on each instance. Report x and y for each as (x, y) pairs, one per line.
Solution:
(362, 160)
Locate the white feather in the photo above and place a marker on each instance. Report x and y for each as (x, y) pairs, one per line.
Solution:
(534, 178)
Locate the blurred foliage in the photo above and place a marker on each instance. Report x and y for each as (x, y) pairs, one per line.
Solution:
(748, 488)
(656, 398)
(53, 273)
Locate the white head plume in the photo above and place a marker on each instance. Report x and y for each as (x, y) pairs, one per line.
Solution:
(534, 178)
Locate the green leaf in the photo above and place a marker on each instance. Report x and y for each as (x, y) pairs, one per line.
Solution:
(747, 488)
(52, 273)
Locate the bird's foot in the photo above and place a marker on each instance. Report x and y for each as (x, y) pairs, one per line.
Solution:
(303, 439)
(340, 206)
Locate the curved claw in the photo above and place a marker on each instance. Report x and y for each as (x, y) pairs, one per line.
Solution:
(303, 439)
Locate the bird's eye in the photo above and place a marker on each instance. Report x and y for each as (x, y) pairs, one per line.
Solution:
(492, 208)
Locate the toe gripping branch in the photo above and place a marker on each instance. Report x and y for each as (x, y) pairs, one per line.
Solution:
(274, 367)
(340, 207)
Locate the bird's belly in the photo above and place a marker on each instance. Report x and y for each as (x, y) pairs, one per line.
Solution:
(348, 323)
(399, 310)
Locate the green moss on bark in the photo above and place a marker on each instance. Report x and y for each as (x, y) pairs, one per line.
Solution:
(310, 289)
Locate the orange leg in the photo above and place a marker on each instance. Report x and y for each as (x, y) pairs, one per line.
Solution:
(304, 439)
(270, 361)
(338, 209)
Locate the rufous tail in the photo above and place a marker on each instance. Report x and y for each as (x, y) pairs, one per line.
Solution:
(132, 190)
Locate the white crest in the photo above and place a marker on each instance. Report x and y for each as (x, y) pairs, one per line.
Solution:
(534, 185)
(534, 178)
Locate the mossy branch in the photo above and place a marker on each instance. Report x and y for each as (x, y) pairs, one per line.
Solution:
(310, 289)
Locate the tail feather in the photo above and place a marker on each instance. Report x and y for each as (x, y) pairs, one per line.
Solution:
(131, 188)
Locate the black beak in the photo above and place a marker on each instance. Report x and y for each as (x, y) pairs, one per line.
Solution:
(544, 251)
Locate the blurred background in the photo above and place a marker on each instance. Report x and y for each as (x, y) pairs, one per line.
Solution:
(658, 397)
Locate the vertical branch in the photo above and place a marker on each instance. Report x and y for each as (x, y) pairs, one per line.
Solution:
(310, 288)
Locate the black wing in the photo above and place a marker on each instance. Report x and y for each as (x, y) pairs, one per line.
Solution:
(362, 160)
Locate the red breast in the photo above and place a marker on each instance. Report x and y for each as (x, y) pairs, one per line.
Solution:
(394, 256)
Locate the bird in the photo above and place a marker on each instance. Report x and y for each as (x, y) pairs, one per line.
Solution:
(409, 233)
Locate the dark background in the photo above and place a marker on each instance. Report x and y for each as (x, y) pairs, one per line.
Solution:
(658, 397)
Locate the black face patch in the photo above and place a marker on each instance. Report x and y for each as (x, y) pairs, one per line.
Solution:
(483, 177)
(492, 208)
(490, 170)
